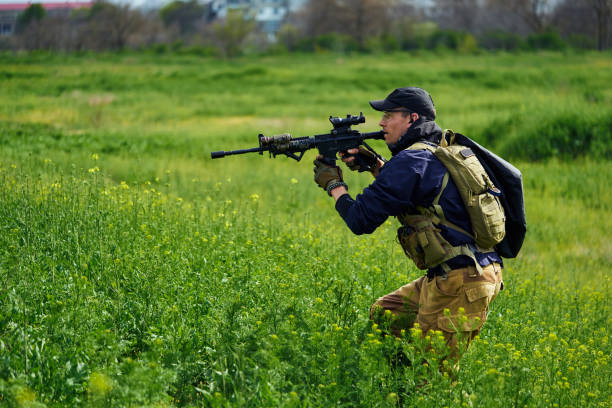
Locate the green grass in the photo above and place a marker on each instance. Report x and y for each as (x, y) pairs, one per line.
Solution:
(136, 271)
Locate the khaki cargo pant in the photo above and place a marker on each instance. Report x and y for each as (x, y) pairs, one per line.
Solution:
(423, 301)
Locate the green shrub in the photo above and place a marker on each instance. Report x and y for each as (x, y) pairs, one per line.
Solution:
(416, 35)
(468, 44)
(384, 43)
(199, 50)
(327, 42)
(501, 40)
(565, 135)
(581, 41)
(445, 38)
(548, 40)
(336, 42)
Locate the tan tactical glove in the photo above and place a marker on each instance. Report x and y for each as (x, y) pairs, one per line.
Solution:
(327, 176)
(363, 160)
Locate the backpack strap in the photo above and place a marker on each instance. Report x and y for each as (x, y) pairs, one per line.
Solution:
(444, 141)
(423, 146)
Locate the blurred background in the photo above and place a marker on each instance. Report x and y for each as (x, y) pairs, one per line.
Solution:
(241, 27)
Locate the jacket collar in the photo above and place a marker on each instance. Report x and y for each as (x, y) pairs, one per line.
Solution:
(421, 130)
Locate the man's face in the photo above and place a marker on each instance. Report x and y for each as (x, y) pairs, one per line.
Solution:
(395, 124)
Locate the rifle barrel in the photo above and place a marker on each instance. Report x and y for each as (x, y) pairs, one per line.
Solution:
(216, 155)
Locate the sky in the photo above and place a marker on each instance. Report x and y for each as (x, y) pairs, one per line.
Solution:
(134, 3)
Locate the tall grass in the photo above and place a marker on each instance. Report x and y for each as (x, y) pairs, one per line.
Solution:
(135, 271)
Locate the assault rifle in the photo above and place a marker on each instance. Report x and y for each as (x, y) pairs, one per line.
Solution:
(340, 139)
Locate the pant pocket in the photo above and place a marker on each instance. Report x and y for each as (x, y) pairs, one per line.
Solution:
(479, 297)
(475, 306)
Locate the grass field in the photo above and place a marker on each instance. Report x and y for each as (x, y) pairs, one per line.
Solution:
(136, 271)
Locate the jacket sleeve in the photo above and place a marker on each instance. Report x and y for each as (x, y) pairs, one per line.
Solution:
(390, 194)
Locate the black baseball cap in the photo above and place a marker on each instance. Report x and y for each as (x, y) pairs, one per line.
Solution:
(411, 98)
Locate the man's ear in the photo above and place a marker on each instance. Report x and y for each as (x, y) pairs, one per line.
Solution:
(414, 117)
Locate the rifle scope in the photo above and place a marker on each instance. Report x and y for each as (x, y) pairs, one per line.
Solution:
(348, 121)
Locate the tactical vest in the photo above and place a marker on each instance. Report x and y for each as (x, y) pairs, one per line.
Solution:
(419, 234)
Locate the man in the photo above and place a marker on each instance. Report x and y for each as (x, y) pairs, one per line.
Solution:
(454, 295)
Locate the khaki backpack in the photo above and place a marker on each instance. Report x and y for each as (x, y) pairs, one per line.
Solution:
(419, 236)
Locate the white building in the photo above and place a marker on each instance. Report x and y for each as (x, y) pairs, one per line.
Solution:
(269, 14)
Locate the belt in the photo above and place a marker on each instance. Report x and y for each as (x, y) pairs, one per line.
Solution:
(468, 271)
(455, 263)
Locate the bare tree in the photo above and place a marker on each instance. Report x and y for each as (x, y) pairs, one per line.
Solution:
(407, 21)
(152, 31)
(109, 26)
(32, 14)
(288, 35)
(535, 13)
(48, 33)
(32, 37)
(365, 18)
(229, 34)
(602, 11)
(457, 14)
(588, 18)
(322, 17)
(184, 14)
(359, 19)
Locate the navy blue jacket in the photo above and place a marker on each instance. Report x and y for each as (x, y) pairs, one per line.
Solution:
(409, 179)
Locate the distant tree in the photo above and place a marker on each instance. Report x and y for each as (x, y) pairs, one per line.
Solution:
(575, 19)
(535, 13)
(288, 36)
(109, 26)
(33, 13)
(231, 32)
(358, 19)
(183, 14)
(405, 22)
(366, 18)
(152, 31)
(457, 14)
(321, 17)
(585, 23)
(602, 11)
(30, 28)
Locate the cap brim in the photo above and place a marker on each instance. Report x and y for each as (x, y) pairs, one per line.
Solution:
(383, 105)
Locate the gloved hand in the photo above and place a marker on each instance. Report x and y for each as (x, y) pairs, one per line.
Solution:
(360, 159)
(325, 174)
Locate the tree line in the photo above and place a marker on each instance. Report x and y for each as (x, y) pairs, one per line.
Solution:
(190, 26)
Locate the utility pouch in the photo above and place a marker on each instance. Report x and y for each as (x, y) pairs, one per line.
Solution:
(422, 241)
(480, 196)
